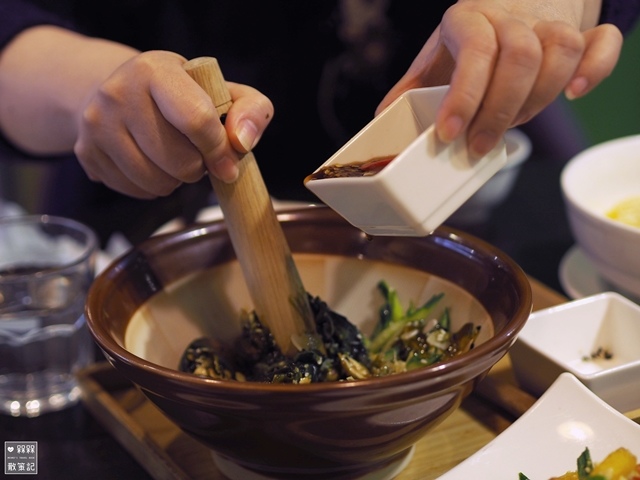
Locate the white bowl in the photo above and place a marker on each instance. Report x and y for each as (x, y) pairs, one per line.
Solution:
(479, 207)
(425, 183)
(546, 441)
(563, 338)
(593, 182)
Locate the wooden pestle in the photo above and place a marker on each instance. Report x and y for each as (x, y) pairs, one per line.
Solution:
(279, 297)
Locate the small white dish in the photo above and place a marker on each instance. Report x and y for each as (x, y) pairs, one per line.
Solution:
(566, 338)
(546, 440)
(422, 186)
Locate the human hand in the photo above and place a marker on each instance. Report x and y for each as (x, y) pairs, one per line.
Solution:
(505, 61)
(150, 127)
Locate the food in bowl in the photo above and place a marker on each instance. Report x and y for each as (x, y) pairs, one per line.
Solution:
(225, 329)
(402, 340)
(620, 464)
(627, 211)
(148, 305)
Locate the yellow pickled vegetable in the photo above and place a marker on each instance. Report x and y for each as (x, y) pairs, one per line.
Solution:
(619, 464)
(627, 211)
(567, 476)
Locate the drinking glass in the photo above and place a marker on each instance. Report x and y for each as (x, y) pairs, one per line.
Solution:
(46, 267)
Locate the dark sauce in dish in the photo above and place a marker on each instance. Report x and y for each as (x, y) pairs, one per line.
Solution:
(355, 169)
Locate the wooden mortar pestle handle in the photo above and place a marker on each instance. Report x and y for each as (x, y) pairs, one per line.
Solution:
(279, 297)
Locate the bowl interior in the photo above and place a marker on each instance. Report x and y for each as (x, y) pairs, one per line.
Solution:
(148, 305)
(161, 328)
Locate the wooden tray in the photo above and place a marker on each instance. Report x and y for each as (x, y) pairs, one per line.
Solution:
(168, 453)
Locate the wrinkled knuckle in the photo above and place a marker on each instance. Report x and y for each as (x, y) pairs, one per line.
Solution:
(113, 91)
(144, 64)
(80, 149)
(500, 119)
(567, 38)
(191, 172)
(216, 146)
(486, 50)
(524, 53)
(91, 117)
(83, 152)
(201, 116)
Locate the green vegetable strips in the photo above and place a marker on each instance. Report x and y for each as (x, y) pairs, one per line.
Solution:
(403, 339)
(407, 339)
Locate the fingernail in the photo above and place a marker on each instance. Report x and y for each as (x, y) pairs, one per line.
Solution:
(247, 133)
(450, 128)
(577, 88)
(226, 170)
(482, 143)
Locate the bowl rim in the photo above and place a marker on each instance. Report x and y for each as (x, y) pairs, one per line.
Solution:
(477, 358)
(576, 162)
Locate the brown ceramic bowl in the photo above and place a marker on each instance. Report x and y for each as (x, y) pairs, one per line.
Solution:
(149, 304)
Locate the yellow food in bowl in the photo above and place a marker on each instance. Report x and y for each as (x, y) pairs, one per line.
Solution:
(627, 211)
(620, 464)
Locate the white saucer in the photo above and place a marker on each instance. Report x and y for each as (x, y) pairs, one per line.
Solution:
(579, 277)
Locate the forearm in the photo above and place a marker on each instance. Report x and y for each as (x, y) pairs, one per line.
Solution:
(46, 75)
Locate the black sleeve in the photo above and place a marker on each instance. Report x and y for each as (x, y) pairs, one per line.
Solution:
(18, 15)
(623, 14)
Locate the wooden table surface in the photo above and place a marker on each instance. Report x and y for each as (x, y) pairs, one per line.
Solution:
(167, 453)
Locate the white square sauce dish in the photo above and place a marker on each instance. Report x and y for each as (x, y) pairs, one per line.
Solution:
(596, 338)
(424, 180)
